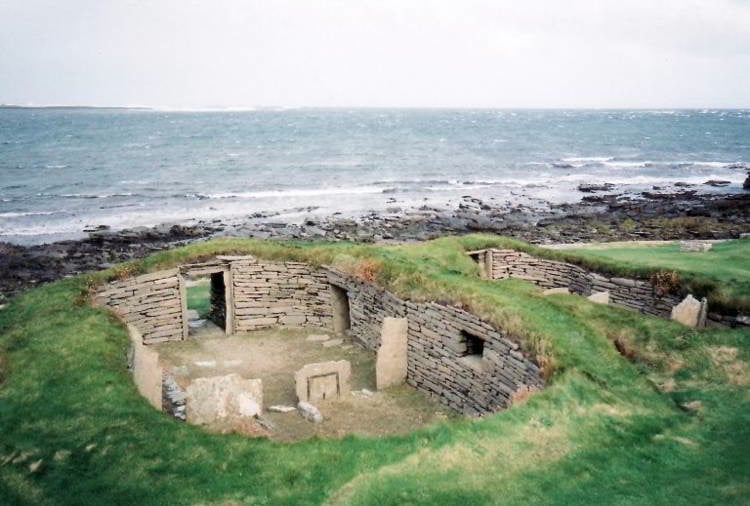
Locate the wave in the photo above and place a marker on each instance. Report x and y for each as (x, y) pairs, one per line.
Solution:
(298, 192)
(56, 166)
(18, 214)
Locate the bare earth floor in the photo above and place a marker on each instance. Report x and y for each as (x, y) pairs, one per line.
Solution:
(273, 355)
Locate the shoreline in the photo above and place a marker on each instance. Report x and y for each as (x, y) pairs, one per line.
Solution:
(596, 217)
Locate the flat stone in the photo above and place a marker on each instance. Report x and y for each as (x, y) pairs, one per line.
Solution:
(205, 363)
(317, 337)
(278, 408)
(223, 397)
(192, 314)
(309, 412)
(695, 246)
(599, 297)
(553, 291)
(196, 324)
(333, 342)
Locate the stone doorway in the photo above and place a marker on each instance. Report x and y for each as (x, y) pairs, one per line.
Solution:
(342, 322)
(207, 301)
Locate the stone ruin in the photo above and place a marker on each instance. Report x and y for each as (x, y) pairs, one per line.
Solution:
(451, 355)
(635, 294)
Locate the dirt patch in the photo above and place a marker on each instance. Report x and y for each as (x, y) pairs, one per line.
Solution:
(725, 358)
(273, 355)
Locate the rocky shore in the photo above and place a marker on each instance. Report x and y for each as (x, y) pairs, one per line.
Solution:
(657, 215)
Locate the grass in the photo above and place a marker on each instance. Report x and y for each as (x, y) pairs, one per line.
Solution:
(671, 426)
(199, 298)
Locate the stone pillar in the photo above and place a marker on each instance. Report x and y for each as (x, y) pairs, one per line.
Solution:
(390, 364)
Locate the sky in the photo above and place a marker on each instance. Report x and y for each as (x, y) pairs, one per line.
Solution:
(186, 54)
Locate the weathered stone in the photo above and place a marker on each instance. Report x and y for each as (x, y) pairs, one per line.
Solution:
(317, 337)
(147, 373)
(281, 409)
(323, 381)
(695, 246)
(390, 363)
(599, 297)
(221, 397)
(552, 291)
(309, 412)
(687, 312)
(333, 342)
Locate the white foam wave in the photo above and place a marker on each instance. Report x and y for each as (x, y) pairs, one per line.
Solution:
(19, 214)
(298, 192)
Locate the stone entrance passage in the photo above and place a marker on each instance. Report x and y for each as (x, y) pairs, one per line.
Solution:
(207, 298)
(341, 312)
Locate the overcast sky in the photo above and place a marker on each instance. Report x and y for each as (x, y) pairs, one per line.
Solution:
(462, 53)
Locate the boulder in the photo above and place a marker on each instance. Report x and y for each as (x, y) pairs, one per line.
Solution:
(717, 182)
(746, 184)
(309, 412)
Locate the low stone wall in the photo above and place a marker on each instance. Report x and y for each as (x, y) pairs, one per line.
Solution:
(152, 303)
(279, 294)
(631, 293)
(438, 361)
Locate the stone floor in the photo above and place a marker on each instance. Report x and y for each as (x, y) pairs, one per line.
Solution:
(274, 355)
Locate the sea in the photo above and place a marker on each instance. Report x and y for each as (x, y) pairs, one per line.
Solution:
(64, 170)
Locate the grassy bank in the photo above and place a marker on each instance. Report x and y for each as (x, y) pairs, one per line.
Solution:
(670, 425)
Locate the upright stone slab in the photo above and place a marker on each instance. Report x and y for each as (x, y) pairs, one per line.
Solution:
(147, 373)
(222, 397)
(688, 311)
(323, 381)
(390, 364)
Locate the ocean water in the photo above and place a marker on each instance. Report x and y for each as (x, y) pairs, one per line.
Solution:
(62, 170)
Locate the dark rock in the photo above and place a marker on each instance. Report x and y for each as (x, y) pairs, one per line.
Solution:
(746, 184)
(717, 182)
(590, 188)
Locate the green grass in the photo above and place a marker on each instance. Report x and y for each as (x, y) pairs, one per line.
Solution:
(604, 431)
(199, 298)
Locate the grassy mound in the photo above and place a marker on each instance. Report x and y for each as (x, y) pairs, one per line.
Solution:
(669, 424)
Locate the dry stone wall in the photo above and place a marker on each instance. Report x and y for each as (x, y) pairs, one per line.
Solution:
(279, 294)
(151, 303)
(437, 358)
(632, 293)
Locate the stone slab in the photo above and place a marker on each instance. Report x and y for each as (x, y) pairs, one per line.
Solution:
(223, 397)
(323, 381)
(688, 311)
(391, 363)
(599, 297)
(553, 291)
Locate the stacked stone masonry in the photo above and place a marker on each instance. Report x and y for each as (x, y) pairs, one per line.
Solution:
(631, 293)
(439, 359)
(279, 294)
(151, 303)
(635, 294)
